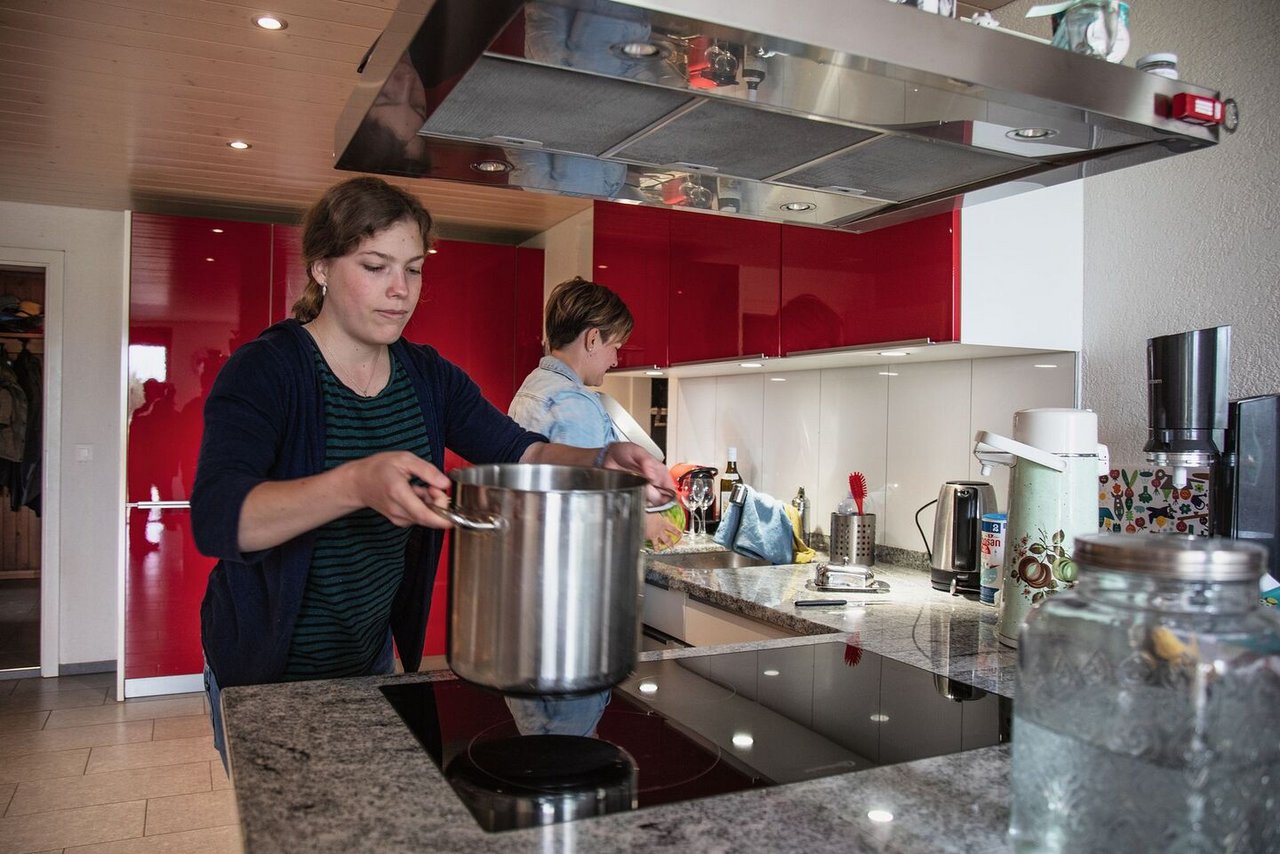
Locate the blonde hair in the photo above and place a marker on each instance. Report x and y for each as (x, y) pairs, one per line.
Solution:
(577, 305)
(346, 214)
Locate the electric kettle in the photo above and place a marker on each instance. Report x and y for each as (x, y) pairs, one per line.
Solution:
(1054, 459)
(955, 558)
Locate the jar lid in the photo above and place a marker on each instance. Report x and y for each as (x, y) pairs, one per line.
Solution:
(1057, 431)
(1174, 556)
(1154, 58)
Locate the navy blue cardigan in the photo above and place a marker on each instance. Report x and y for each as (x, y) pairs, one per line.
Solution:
(264, 420)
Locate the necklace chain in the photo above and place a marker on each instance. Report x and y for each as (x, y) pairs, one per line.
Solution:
(350, 380)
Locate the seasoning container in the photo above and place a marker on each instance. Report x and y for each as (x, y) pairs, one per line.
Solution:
(992, 556)
(1145, 702)
(1163, 64)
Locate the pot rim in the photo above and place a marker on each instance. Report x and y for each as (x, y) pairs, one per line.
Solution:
(529, 476)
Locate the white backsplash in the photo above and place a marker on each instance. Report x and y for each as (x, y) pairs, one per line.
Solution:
(908, 433)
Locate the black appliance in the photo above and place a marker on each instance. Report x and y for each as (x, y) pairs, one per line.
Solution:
(1245, 484)
(698, 726)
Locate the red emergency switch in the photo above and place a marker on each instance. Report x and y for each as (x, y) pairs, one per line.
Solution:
(1197, 108)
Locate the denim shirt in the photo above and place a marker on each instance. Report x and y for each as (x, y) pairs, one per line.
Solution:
(554, 402)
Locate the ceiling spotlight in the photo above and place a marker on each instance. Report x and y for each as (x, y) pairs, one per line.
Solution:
(1031, 133)
(1046, 365)
(648, 687)
(216, 230)
(208, 259)
(777, 379)
(432, 251)
(894, 353)
(750, 364)
(797, 207)
(653, 373)
(888, 373)
(239, 145)
(880, 815)
(878, 718)
(270, 22)
(770, 672)
(491, 166)
(638, 50)
(743, 740)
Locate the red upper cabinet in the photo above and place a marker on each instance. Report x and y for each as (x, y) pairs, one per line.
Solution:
(724, 287)
(631, 253)
(841, 289)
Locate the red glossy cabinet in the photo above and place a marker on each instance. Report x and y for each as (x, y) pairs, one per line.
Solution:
(841, 289)
(724, 287)
(198, 289)
(528, 321)
(631, 252)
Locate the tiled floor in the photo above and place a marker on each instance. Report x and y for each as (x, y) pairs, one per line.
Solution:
(84, 774)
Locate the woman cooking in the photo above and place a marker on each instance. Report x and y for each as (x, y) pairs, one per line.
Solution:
(322, 444)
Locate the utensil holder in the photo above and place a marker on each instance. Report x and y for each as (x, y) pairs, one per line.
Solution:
(853, 539)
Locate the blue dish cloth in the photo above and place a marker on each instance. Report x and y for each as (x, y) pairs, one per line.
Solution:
(759, 528)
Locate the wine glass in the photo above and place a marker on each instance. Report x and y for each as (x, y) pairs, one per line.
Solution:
(699, 491)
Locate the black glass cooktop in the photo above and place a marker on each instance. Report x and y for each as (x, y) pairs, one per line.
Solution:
(692, 727)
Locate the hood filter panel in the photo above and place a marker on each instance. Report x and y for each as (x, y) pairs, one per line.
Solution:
(741, 141)
(562, 110)
(898, 168)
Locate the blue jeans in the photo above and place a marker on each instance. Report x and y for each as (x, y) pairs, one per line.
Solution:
(386, 663)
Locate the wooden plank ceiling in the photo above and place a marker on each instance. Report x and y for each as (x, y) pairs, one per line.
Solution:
(129, 104)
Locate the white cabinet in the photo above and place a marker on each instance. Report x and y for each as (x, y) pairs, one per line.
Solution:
(1022, 270)
(698, 623)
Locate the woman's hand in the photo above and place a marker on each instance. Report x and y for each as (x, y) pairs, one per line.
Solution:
(660, 531)
(400, 485)
(625, 456)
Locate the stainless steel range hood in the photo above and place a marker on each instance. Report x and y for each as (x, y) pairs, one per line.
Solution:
(850, 114)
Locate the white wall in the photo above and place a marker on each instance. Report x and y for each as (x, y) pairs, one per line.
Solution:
(94, 246)
(907, 433)
(1190, 241)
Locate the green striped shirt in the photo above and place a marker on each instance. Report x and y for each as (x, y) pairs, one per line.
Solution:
(359, 559)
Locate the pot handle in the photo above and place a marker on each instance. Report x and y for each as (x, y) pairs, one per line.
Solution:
(481, 522)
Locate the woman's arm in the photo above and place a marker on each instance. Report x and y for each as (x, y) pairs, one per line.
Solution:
(623, 456)
(275, 512)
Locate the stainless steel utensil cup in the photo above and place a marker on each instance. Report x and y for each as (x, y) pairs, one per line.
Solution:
(853, 539)
(546, 602)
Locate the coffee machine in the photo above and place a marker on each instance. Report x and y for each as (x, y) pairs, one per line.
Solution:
(1244, 486)
(1194, 425)
(1187, 399)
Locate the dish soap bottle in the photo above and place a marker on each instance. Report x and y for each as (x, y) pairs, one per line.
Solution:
(728, 480)
(802, 509)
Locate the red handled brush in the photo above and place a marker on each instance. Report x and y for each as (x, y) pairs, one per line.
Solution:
(858, 488)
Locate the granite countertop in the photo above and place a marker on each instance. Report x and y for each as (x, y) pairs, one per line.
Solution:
(329, 766)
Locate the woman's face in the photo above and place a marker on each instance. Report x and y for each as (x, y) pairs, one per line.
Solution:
(373, 290)
(600, 358)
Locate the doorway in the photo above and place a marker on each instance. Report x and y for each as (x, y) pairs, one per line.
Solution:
(29, 537)
(22, 299)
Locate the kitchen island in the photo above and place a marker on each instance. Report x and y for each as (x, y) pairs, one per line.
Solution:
(330, 766)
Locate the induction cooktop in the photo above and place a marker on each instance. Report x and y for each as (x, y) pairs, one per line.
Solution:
(692, 727)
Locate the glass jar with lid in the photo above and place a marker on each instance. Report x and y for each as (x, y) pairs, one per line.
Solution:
(1147, 701)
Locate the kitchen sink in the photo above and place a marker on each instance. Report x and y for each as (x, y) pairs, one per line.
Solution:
(708, 560)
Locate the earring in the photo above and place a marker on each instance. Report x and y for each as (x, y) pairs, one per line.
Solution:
(324, 290)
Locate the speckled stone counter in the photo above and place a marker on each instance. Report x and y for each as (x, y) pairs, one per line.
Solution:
(329, 766)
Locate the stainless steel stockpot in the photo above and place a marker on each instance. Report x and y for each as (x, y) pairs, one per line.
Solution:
(544, 577)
